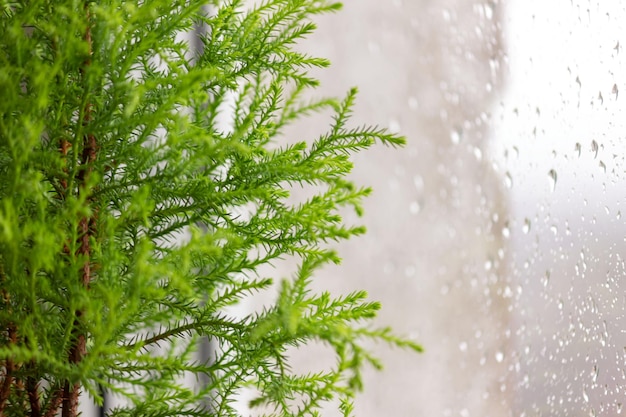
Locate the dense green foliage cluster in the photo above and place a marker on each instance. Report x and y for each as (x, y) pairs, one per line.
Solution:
(142, 187)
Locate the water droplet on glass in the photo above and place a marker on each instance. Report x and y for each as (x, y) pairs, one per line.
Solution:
(508, 292)
(585, 396)
(446, 15)
(478, 153)
(526, 226)
(578, 82)
(508, 180)
(463, 346)
(489, 12)
(394, 126)
(552, 179)
(414, 207)
(600, 97)
(506, 232)
(602, 166)
(494, 66)
(445, 289)
(554, 229)
(418, 182)
(499, 356)
(488, 265)
(594, 148)
(455, 136)
(615, 91)
(388, 268)
(409, 271)
(546, 279)
(578, 148)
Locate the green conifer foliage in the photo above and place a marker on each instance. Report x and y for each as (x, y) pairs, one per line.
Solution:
(116, 139)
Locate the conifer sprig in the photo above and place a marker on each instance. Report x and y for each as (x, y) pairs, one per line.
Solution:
(144, 187)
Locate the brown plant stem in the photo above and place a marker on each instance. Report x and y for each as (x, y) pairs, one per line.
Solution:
(55, 403)
(9, 366)
(32, 389)
(78, 350)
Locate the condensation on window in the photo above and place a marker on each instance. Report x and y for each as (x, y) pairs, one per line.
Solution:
(496, 237)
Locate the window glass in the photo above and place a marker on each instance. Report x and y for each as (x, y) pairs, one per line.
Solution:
(496, 237)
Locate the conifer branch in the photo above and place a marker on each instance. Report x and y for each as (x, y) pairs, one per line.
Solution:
(117, 142)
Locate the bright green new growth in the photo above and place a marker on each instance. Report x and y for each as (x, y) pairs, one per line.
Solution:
(116, 139)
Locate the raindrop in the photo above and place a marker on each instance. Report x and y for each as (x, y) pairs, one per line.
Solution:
(616, 47)
(499, 356)
(455, 136)
(526, 226)
(418, 182)
(615, 91)
(546, 279)
(409, 271)
(494, 65)
(394, 126)
(594, 148)
(508, 180)
(619, 408)
(602, 166)
(506, 232)
(388, 268)
(585, 395)
(578, 82)
(552, 179)
(554, 229)
(508, 293)
(463, 346)
(489, 14)
(488, 265)
(600, 97)
(414, 207)
(446, 15)
(478, 153)
(578, 148)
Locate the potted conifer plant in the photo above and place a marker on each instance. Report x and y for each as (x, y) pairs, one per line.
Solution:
(113, 146)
